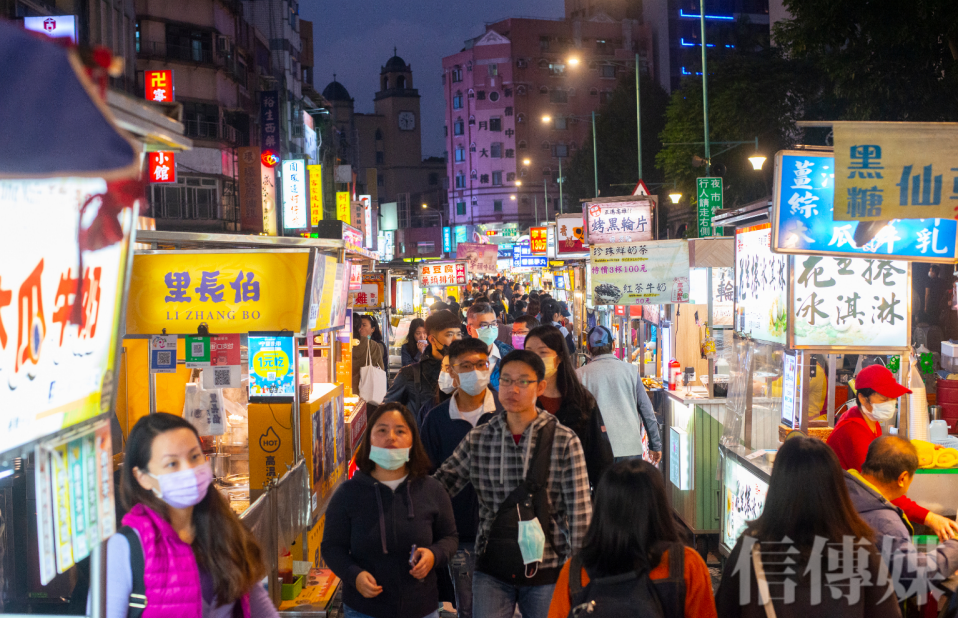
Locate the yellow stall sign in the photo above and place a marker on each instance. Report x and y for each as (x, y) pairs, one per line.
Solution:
(237, 292)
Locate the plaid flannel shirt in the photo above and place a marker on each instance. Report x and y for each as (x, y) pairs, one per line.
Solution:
(489, 458)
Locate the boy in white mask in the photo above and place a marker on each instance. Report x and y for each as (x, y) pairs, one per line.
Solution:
(876, 391)
(473, 403)
(482, 324)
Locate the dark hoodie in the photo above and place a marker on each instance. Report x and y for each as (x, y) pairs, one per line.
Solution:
(416, 385)
(371, 528)
(889, 522)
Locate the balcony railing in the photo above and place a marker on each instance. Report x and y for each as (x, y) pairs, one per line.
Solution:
(209, 130)
(182, 53)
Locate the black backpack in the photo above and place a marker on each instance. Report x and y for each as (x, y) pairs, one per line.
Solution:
(630, 594)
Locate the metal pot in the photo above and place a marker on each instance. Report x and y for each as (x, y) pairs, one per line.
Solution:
(220, 462)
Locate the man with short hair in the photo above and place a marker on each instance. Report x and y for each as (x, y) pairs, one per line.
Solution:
(550, 313)
(482, 324)
(473, 403)
(620, 394)
(438, 306)
(497, 458)
(887, 473)
(417, 383)
(521, 328)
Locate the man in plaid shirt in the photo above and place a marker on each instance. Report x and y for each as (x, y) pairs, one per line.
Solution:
(495, 457)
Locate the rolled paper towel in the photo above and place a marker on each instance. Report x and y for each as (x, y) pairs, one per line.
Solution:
(946, 458)
(917, 407)
(926, 453)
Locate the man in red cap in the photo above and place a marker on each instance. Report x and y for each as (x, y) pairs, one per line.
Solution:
(876, 391)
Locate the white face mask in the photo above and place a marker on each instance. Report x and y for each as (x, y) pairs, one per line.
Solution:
(474, 382)
(881, 412)
(445, 382)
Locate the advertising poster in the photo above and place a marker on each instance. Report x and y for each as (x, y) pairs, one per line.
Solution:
(324, 284)
(271, 370)
(723, 296)
(860, 303)
(56, 365)
(744, 500)
(62, 509)
(618, 222)
(270, 225)
(644, 273)
(789, 416)
(443, 273)
(370, 294)
(804, 206)
(481, 258)
(538, 241)
(45, 533)
(761, 285)
(570, 235)
(230, 292)
(319, 444)
(295, 208)
(337, 310)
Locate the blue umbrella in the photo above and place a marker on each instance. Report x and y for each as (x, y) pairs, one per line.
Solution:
(53, 123)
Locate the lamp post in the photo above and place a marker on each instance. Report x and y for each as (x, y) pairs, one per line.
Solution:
(438, 212)
(595, 159)
(705, 91)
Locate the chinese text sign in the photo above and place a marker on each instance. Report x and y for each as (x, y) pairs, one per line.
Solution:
(342, 206)
(761, 285)
(618, 222)
(158, 86)
(443, 273)
(522, 258)
(269, 120)
(538, 241)
(294, 195)
(709, 199)
(653, 273)
(162, 166)
(315, 193)
(570, 234)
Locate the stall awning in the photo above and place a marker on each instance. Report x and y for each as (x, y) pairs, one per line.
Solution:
(54, 124)
(147, 123)
(204, 240)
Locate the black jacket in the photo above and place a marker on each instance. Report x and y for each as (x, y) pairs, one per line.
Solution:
(371, 528)
(416, 385)
(591, 432)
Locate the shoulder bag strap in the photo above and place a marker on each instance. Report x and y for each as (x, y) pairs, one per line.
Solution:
(575, 578)
(764, 598)
(137, 565)
(538, 472)
(369, 352)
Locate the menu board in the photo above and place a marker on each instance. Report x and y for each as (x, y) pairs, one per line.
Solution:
(272, 375)
(640, 273)
(743, 502)
(617, 222)
(443, 273)
(761, 285)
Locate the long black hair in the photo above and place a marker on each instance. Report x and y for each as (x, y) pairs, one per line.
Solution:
(631, 520)
(410, 342)
(418, 465)
(566, 379)
(807, 498)
(223, 546)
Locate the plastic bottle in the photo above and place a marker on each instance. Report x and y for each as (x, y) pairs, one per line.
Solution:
(675, 370)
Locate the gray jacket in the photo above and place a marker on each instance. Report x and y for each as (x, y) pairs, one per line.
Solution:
(893, 539)
(622, 399)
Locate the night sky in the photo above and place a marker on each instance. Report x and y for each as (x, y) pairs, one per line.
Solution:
(355, 38)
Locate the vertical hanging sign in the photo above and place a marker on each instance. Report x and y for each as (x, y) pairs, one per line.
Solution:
(315, 193)
(709, 194)
(269, 119)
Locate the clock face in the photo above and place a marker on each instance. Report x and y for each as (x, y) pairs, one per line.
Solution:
(407, 121)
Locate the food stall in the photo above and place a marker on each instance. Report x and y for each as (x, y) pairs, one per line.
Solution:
(810, 298)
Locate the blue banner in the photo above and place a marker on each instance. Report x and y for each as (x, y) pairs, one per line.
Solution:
(447, 239)
(505, 251)
(522, 257)
(804, 203)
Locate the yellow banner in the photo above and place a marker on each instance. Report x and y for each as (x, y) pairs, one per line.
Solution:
(342, 206)
(891, 170)
(315, 193)
(230, 292)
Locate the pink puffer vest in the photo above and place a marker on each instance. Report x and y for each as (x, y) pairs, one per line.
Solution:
(170, 572)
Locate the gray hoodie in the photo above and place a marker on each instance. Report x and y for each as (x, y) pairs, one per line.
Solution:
(912, 570)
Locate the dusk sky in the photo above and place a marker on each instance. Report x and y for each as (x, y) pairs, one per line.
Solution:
(355, 38)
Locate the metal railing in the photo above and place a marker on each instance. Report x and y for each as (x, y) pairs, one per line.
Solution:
(183, 53)
(209, 130)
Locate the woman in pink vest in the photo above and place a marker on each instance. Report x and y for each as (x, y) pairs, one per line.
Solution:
(193, 556)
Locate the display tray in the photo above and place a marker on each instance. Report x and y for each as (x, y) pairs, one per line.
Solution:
(318, 592)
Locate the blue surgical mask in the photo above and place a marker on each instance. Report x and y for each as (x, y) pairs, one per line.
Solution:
(532, 542)
(474, 382)
(389, 458)
(488, 334)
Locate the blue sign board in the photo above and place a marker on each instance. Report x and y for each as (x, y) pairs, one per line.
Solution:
(522, 258)
(804, 209)
(271, 369)
(447, 239)
(505, 251)
(460, 233)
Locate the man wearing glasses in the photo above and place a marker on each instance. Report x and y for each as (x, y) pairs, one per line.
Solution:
(482, 324)
(473, 403)
(505, 463)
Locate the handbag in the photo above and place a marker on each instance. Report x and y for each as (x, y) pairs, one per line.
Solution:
(372, 380)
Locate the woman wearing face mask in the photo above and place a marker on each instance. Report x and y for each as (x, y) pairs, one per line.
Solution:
(391, 526)
(568, 400)
(196, 559)
(876, 392)
(416, 342)
(367, 352)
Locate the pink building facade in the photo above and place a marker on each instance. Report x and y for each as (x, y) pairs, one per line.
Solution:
(502, 159)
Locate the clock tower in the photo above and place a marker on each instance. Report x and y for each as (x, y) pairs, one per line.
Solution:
(398, 103)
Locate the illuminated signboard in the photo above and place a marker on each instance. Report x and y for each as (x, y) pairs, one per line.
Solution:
(159, 86)
(294, 195)
(162, 166)
(54, 26)
(538, 240)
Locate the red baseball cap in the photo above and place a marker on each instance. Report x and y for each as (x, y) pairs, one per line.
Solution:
(880, 380)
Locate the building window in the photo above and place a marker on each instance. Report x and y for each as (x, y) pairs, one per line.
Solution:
(507, 92)
(474, 174)
(608, 70)
(425, 247)
(521, 90)
(493, 70)
(510, 177)
(544, 43)
(188, 198)
(472, 147)
(460, 154)
(559, 123)
(469, 67)
(556, 68)
(460, 181)
(456, 75)
(187, 44)
(497, 205)
(481, 95)
(493, 96)
(445, 131)
(472, 120)
(604, 97)
(457, 101)
(458, 128)
(546, 172)
(558, 96)
(379, 135)
(433, 179)
(201, 120)
(380, 157)
(495, 123)
(460, 208)
(543, 90)
(560, 150)
(523, 145)
(594, 91)
(495, 150)
(472, 93)
(497, 179)
(546, 145)
(520, 118)
(380, 180)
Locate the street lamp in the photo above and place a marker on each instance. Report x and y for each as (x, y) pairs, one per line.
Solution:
(675, 197)
(526, 162)
(518, 183)
(757, 162)
(438, 212)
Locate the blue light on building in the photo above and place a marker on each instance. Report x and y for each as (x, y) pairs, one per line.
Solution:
(692, 16)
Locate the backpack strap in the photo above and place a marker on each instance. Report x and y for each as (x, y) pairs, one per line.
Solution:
(575, 578)
(137, 565)
(537, 478)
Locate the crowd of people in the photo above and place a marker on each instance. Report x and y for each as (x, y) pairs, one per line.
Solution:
(538, 493)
